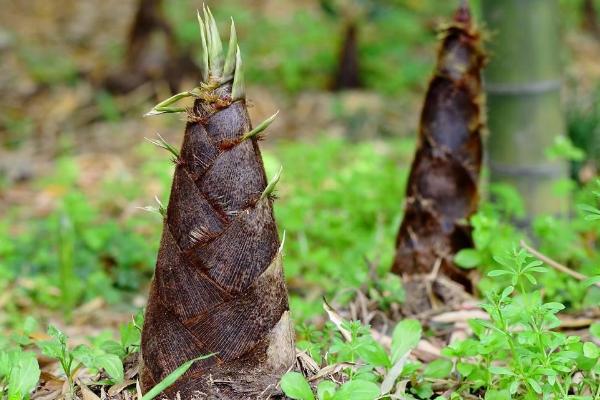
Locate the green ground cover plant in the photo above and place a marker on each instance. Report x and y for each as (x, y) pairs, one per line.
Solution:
(516, 354)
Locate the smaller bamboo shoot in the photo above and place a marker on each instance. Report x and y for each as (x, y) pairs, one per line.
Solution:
(442, 191)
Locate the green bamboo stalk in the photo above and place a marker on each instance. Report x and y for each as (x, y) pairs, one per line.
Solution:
(523, 84)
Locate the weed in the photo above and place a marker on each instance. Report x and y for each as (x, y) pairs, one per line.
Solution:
(516, 354)
(19, 373)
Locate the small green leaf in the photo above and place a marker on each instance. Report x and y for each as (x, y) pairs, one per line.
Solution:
(533, 264)
(554, 307)
(507, 292)
(591, 281)
(130, 336)
(589, 209)
(162, 143)
(424, 390)
(539, 269)
(468, 258)
(500, 370)
(406, 336)
(85, 355)
(50, 348)
(374, 353)
(215, 47)
(24, 376)
(295, 386)
(357, 390)
(531, 279)
(112, 347)
(590, 350)
(499, 272)
(57, 334)
(534, 385)
(172, 377)
(465, 369)
(204, 43)
(514, 386)
(439, 368)
(112, 365)
(326, 390)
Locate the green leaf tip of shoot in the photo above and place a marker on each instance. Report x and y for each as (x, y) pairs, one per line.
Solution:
(163, 144)
(282, 243)
(271, 186)
(216, 66)
(260, 127)
(172, 377)
(204, 60)
(160, 209)
(215, 47)
(164, 106)
(169, 110)
(229, 68)
(238, 91)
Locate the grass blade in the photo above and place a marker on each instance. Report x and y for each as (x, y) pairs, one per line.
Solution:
(172, 377)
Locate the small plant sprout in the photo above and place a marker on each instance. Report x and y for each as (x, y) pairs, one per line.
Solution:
(519, 267)
(57, 348)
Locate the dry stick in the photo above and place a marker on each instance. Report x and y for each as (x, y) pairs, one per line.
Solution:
(554, 264)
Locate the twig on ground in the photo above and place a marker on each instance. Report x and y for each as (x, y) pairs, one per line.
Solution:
(555, 264)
